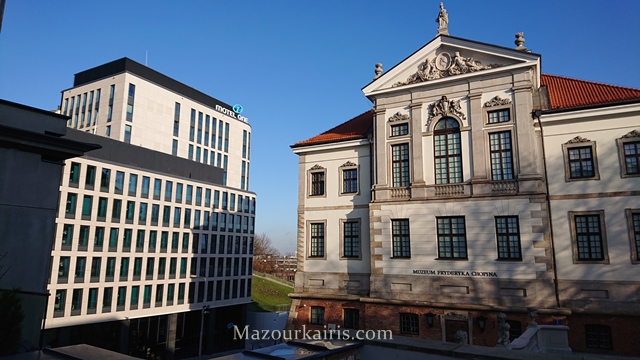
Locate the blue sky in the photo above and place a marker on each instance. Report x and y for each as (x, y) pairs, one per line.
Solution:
(297, 67)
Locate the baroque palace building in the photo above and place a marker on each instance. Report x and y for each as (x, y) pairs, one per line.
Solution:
(154, 232)
(474, 187)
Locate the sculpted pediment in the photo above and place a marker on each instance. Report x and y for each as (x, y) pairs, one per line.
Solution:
(447, 58)
(444, 65)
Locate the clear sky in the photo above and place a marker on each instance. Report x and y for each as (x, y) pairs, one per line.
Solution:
(297, 67)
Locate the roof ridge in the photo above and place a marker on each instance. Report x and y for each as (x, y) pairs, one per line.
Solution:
(591, 82)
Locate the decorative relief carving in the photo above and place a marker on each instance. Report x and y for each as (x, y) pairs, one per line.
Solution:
(577, 139)
(445, 65)
(632, 134)
(497, 101)
(456, 315)
(444, 107)
(317, 167)
(349, 163)
(399, 117)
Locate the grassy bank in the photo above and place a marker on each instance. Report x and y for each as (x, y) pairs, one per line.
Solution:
(269, 296)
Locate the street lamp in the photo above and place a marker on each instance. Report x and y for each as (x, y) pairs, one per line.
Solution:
(204, 311)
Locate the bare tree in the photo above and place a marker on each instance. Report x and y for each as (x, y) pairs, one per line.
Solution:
(262, 245)
(264, 253)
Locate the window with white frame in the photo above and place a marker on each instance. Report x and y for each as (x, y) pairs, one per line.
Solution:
(508, 237)
(400, 165)
(633, 220)
(400, 238)
(452, 239)
(589, 237)
(580, 159)
(349, 172)
(447, 151)
(629, 153)
(317, 176)
(316, 241)
(350, 238)
(501, 155)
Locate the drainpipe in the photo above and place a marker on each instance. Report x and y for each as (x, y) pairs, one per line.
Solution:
(536, 114)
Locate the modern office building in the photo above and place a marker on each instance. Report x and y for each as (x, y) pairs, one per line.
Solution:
(429, 215)
(154, 231)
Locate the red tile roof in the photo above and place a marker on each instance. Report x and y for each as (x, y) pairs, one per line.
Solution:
(567, 93)
(564, 93)
(355, 128)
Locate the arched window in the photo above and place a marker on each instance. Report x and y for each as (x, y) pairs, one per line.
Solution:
(448, 153)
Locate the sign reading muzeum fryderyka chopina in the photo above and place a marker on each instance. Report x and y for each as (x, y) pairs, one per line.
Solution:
(461, 273)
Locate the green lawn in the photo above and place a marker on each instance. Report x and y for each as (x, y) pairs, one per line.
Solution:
(269, 296)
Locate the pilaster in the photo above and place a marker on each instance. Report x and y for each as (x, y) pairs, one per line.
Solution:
(380, 157)
(418, 184)
(530, 180)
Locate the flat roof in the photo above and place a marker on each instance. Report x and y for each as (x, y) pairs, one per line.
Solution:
(127, 65)
(118, 152)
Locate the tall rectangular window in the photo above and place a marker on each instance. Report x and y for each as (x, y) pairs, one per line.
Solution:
(76, 301)
(351, 318)
(87, 203)
(168, 190)
(130, 98)
(220, 130)
(350, 180)
(317, 240)
(447, 151)
(206, 133)
(190, 152)
(317, 315)
(157, 188)
(81, 264)
(70, 207)
(400, 238)
(63, 269)
(400, 165)
(90, 177)
(317, 183)
(634, 229)
(74, 173)
(226, 137)
(508, 236)
(174, 147)
(588, 233)
(67, 235)
(199, 136)
(192, 125)
(133, 184)
(501, 156)
(631, 157)
(145, 187)
(244, 143)
(119, 182)
(127, 134)
(452, 240)
(351, 239)
(176, 119)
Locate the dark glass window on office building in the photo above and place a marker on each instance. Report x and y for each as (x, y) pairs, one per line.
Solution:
(130, 98)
